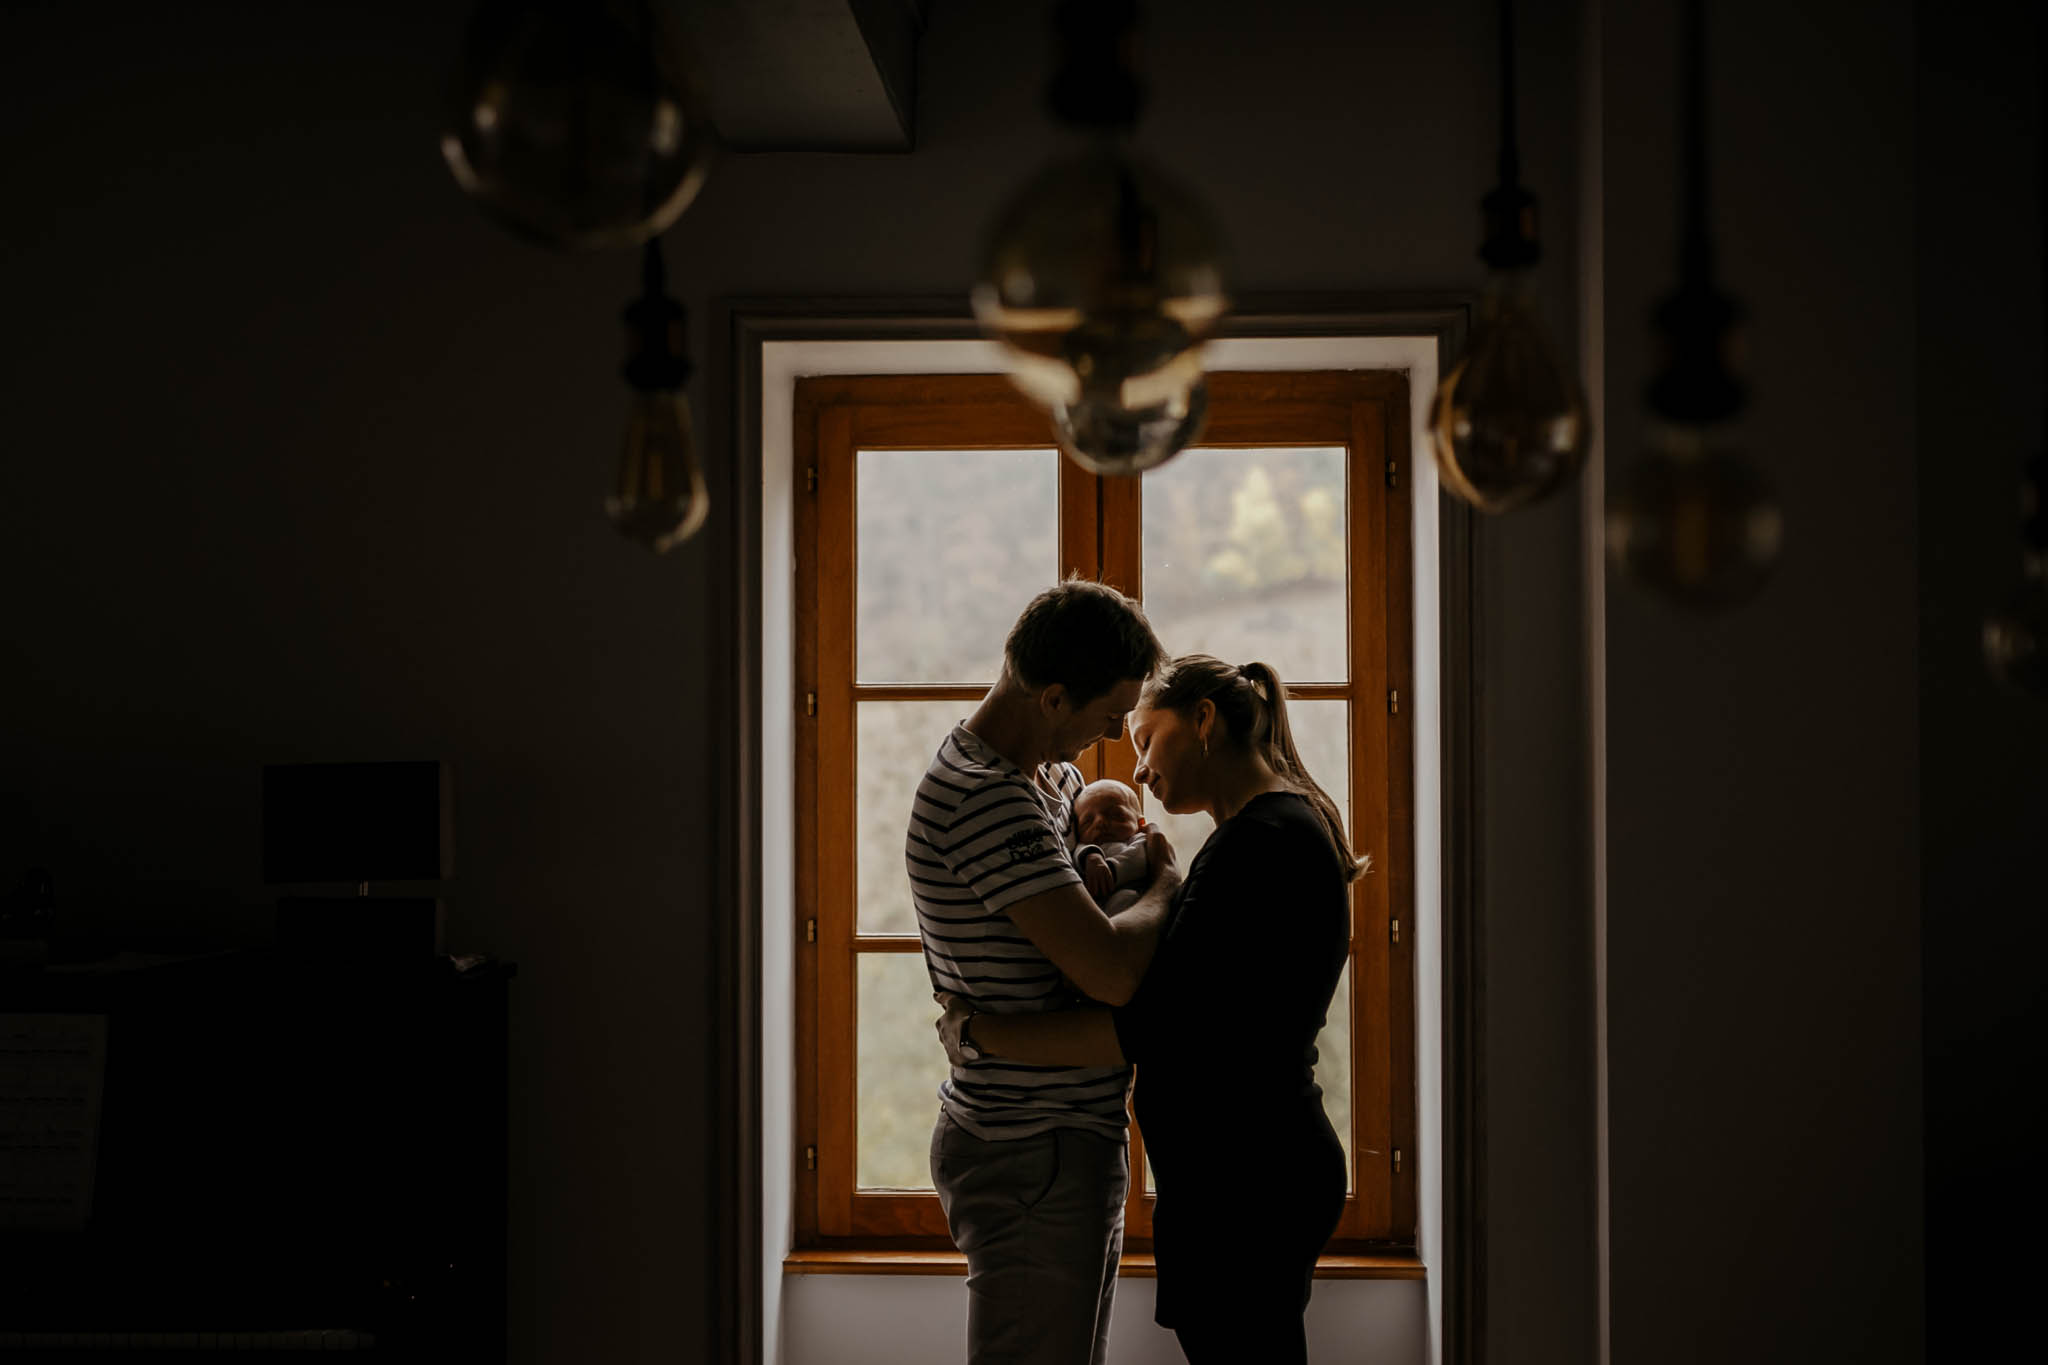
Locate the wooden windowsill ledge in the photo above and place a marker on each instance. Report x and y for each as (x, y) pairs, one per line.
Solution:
(1135, 1263)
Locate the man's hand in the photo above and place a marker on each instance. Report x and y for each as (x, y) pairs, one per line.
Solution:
(950, 1023)
(1096, 873)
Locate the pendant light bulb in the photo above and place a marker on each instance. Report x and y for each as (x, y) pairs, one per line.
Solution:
(2016, 636)
(1695, 521)
(2016, 640)
(573, 123)
(1104, 276)
(1509, 424)
(660, 500)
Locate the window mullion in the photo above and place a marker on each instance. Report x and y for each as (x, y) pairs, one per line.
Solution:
(1122, 567)
(1081, 523)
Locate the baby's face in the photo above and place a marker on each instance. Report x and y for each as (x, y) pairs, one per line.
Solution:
(1107, 812)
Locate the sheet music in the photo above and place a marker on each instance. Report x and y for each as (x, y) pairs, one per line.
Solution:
(52, 1069)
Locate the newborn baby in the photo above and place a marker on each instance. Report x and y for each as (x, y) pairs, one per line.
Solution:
(1109, 828)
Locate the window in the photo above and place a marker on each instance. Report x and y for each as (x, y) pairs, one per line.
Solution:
(929, 509)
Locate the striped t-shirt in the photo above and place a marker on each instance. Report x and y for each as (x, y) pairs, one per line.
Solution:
(984, 836)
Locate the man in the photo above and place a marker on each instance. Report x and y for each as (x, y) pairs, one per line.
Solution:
(1031, 1161)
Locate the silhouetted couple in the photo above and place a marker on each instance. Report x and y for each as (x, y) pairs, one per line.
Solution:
(1214, 983)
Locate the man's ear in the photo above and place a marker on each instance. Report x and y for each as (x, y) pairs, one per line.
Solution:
(1054, 700)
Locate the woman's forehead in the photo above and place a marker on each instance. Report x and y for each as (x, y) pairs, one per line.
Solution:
(1146, 713)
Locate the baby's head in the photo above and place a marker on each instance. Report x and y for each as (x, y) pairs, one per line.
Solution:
(1107, 812)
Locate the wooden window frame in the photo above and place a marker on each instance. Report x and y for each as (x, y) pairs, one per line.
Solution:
(1100, 536)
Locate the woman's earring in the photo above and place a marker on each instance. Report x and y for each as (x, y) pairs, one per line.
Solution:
(1205, 746)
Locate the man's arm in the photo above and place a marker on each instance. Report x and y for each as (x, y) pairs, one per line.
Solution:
(1080, 1037)
(1104, 957)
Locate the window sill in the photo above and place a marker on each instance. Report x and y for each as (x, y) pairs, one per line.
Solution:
(1136, 1264)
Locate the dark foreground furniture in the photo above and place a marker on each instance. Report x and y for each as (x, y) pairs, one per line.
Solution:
(287, 1144)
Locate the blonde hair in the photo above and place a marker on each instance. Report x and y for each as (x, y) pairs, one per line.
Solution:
(1252, 704)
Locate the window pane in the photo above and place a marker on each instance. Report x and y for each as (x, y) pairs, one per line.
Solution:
(1322, 737)
(1244, 558)
(897, 1073)
(952, 544)
(895, 742)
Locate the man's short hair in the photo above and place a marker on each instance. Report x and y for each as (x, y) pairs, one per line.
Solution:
(1084, 635)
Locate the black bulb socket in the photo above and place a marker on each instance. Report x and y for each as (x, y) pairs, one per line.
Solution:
(1510, 216)
(1096, 84)
(2034, 505)
(655, 356)
(1697, 383)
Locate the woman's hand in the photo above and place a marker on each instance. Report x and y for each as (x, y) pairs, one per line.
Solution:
(1159, 854)
(949, 1024)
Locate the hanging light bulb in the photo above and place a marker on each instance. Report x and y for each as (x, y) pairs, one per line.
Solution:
(1509, 425)
(2016, 636)
(661, 500)
(573, 123)
(2016, 639)
(1104, 276)
(1694, 520)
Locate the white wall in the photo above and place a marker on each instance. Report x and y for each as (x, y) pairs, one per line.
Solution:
(845, 1320)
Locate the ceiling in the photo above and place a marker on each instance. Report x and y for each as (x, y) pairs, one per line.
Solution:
(807, 75)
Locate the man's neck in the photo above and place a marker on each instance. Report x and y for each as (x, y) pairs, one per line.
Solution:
(1003, 721)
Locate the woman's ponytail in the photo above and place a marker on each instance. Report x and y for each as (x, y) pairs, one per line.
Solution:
(1251, 703)
(1278, 745)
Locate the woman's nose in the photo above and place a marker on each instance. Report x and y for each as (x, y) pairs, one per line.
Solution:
(1142, 773)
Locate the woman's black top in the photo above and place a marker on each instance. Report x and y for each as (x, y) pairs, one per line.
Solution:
(1250, 1175)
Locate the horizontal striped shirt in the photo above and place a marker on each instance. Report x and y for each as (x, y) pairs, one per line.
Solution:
(984, 836)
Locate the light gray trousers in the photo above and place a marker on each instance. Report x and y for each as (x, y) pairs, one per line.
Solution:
(1041, 1222)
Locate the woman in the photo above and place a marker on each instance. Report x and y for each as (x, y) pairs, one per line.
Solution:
(1250, 1174)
